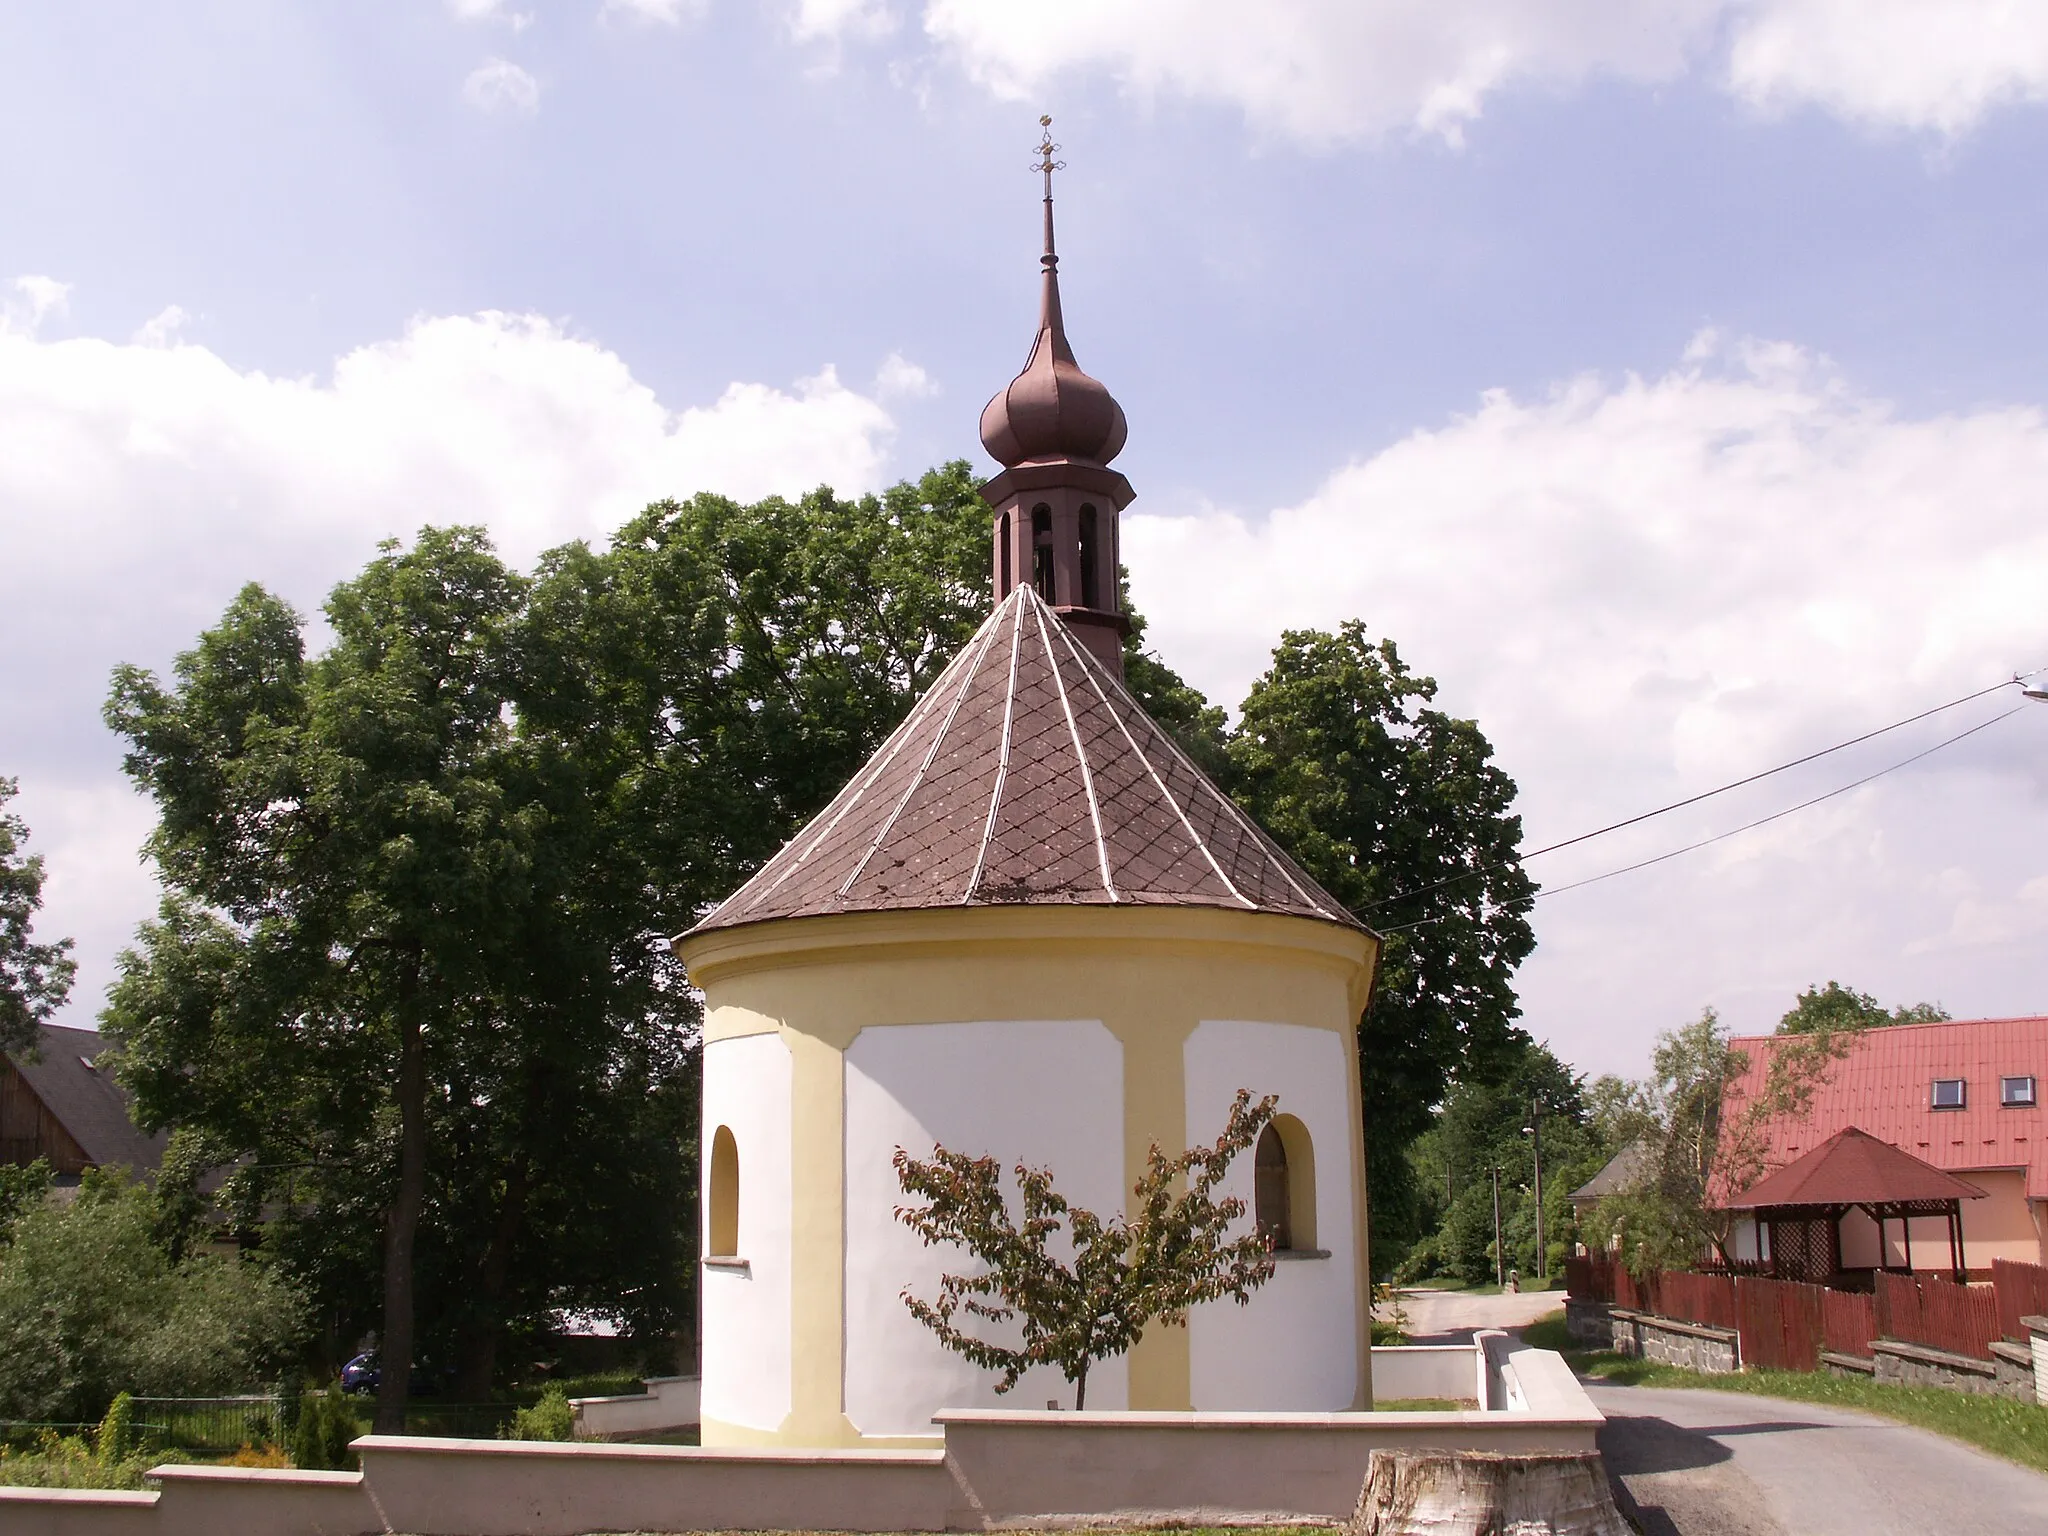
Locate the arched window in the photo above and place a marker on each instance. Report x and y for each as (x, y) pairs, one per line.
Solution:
(1284, 1187)
(1041, 551)
(723, 1239)
(1091, 580)
(1272, 1197)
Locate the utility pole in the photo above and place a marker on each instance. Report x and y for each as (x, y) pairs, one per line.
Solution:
(1500, 1267)
(1535, 1129)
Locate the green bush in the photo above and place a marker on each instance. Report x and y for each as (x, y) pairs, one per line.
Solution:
(549, 1419)
(326, 1425)
(90, 1306)
(67, 1461)
(116, 1440)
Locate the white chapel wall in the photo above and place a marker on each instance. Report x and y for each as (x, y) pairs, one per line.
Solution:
(1047, 1093)
(746, 1361)
(1296, 1345)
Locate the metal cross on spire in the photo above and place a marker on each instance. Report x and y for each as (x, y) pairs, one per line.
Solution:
(1047, 164)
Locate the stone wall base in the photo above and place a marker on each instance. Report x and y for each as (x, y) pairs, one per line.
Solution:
(1915, 1365)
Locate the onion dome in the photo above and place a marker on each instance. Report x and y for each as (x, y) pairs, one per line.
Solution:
(1028, 775)
(1052, 411)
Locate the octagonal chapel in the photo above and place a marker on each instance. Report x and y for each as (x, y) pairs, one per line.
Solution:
(1030, 927)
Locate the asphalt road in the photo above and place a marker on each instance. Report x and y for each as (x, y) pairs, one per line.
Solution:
(1697, 1463)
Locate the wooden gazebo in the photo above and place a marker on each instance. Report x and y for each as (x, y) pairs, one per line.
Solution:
(1801, 1206)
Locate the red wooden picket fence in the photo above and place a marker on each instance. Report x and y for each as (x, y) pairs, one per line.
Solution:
(2022, 1291)
(1785, 1324)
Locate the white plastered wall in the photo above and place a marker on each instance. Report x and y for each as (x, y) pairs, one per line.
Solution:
(747, 1313)
(1295, 1347)
(1049, 1094)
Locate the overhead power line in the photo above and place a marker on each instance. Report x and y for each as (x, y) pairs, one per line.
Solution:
(1722, 789)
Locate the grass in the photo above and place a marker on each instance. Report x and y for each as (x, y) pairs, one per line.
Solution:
(2014, 1430)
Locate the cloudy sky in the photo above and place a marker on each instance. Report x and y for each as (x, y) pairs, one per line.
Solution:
(1668, 377)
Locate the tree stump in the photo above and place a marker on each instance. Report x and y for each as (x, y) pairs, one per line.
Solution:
(1451, 1493)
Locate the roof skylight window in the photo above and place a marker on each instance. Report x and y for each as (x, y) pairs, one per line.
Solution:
(1949, 1093)
(2016, 1092)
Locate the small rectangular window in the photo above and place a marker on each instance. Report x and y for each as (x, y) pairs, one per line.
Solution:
(2016, 1092)
(1948, 1093)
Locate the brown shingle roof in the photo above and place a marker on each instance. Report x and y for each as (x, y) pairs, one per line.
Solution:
(1027, 774)
(1853, 1167)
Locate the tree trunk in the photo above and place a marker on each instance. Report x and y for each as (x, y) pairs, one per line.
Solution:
(1081, 1388)
(1444, 1493)
(402, 1223)
(480, 1342)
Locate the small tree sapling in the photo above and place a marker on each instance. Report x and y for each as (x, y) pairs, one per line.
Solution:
(1173, 1253)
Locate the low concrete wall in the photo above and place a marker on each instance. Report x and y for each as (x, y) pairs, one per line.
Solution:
(492, 1488)
(1851, 1366)
(1915, 1365)
(669, 1403)
(997, 1468)
(1426, 1370)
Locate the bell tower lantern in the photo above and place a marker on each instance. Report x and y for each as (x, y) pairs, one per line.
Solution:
(1057, 502)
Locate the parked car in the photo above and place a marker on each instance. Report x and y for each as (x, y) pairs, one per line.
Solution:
(365, 1373)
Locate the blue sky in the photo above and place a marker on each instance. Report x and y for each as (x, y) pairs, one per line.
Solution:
(1667, 377)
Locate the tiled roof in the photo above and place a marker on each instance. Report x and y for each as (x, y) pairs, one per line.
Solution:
(86, 1100)
(1634, 1161)
(1027, 774)
(1853, 1167)
(1884, 1086)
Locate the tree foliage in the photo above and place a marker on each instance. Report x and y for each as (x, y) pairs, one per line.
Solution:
(90, 1305)
(1400, 811)
(1834, 1008)
(411, 975)
(35, 978)
(1173, 1252)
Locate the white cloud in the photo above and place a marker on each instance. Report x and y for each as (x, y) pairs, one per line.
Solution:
(1322, 70)
(161, 329)
(666, 12)
(36, 299)
(900, 379)
(818, 19)
(1646, 587)
(1925, 64)
(500, 85)
(142, 484)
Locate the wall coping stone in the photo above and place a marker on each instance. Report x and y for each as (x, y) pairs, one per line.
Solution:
(2035, 1325)
(781, 1456)
(1861, 1364)
(80, 1498)
(278, 1477)
(2012, 1354)
(1676, 1325)
(1940, 1357)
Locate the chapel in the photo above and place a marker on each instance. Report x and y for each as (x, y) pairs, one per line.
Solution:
(1032, 928)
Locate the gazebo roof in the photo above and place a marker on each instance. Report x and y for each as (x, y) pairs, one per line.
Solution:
(1853, 1167)
(1027, 774)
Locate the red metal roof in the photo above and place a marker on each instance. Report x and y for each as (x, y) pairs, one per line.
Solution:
(1884, 1086)
(1853, 1167)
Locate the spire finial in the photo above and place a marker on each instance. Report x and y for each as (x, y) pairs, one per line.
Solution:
(1047, 164)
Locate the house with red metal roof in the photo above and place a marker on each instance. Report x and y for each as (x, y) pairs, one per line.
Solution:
(1963, 1096)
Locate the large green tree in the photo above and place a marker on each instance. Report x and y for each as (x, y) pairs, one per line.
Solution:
(35, 977)
(1400, 811)
(1834, 1007)
(411, 973)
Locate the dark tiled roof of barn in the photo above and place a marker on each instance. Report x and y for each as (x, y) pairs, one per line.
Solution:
(1027, 774)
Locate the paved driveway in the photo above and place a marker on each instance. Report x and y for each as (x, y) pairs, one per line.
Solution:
(1697, 1463)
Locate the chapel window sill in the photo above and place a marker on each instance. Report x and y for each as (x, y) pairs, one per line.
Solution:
(729, 1263)
(1285, 1255)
